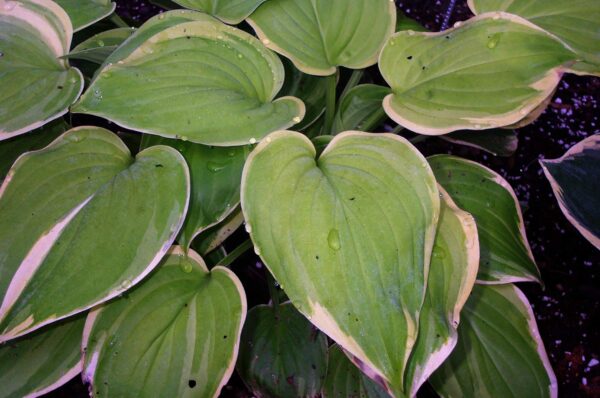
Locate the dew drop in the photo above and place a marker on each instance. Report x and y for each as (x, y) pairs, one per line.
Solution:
(266, 41)
(297, 119)
(490, 204)
(439, 252)
(215, 167)
(523, 111)
(248, 227)
(100, 43)
(268, 140)
(493, 41)
(257, 250)
(333, 239)
(458, 24)
(183, 138)
(411, 32)
(186, 266)
(392, 42)
(161, 16)
(120, 62)
(126, 284)
(477, 126)
(252, 140)
(240, 56)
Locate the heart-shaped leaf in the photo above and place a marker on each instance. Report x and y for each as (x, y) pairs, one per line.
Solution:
(348, 236)
(82, 212)
(98, 47)
(175, 335)
(216, 174)
(499, 351)
(320, 35)
(506, 68)
(84, 13)
(229, 11)
(37, 86)
(344, 379)
(576, 22)
(498, 142)
(452, 274)
(505, 255)
(218, 91)
(42, 361)
(574, 179)
(281, 353)
(360, 108)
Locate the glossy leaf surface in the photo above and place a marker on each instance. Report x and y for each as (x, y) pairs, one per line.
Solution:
(574, 179)
(82, 205)
(334, 230)
(505, 255)
(360, 108)
(43, 361)
(506, 68)
(83, 13)
(352, 36)
(282, 354)
(98, 47)
(499, 351)
(189, 76)
(230, 11)
(576, 22)
(175, 335)
(37, 86)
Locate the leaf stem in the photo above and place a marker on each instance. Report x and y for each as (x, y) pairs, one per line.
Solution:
(330, 103)
(419, 138)
(235, 253)
(116, 19)
(357, 74)
(397, 129)
(273, 291)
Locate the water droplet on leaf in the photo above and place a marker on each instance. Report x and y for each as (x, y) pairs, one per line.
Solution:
(215, 167)
(186, 266)
(333, 239)
(252, 141)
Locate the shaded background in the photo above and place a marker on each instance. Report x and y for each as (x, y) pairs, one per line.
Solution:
(567, 308)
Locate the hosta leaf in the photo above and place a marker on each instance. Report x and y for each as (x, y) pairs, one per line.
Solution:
(43, 361)
(174, 335)
(498, 142)
(348, 236)
(214, 236)
(574, 179)
(452, 274)
(499, 351)
(216, 174)
(37, 86)
(14, 147)
(83, 13)
(202, 81)
(403, 22)
(281, 353)
(505, 255)
(82, 213)
(360, 108)
(230, 11)
(345, 380)
(98, 47)
(507, 67)
(320, 35)
(576, 22)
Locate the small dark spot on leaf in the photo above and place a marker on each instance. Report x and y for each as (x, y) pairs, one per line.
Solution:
(409, 57)
(290, 380)
(447, 37)
(158, 165)
(188, 37)
(423, 67)
(313, 366)
(192, 383)
(224, 337)
(352, 198)
(317, 257)
(59, 87)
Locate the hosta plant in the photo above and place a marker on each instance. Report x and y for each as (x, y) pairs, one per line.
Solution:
(128, 158)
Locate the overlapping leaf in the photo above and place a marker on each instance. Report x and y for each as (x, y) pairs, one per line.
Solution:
(37, 86)
(574, 179)
(360, 108)
(214, 236)
(576, 22)
(348, 236)
(499, 351)
(175, 335)
(43, 361)
(281, 353)
(230, 11)
(506, 68)
(83, 13)
(79, 207)
(505, 255)
(498, 142)
(98, 47)
(189, 76)
(320, 35)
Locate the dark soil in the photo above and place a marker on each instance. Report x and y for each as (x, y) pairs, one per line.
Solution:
(567, 309)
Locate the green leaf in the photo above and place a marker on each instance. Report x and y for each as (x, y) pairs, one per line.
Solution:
(281, 353)
(230, 11)
(215, 174)
(42, 361)
(574, 179)
(576, 22)
(452, 274)
(505, 255)
(98, 47)
(213, 237)
(403, 22)
(333, 230)
(14, 147)
(354, 32)
(84, 13)
(345, 380)
(37, 86)
(498, 142)
(79, 207)
(506, 68)
(175, 335)
(199, 80)
(499, 351)
(360, 108)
